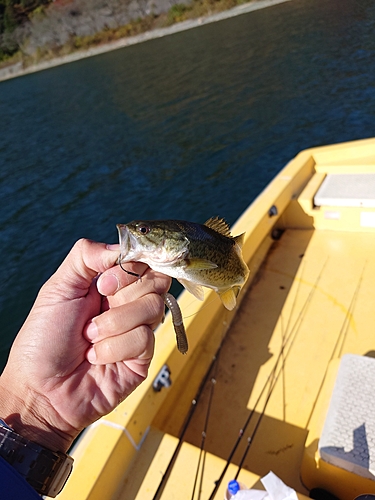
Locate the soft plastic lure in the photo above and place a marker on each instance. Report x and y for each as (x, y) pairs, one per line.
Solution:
(172, 304)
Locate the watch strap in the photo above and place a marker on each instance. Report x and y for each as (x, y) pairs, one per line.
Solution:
(45, 470)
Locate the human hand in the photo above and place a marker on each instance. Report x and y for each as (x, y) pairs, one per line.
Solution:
(81, 352)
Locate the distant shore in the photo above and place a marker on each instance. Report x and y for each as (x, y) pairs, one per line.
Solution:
(17, 69)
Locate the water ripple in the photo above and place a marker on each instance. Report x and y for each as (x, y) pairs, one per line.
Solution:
(187, 126)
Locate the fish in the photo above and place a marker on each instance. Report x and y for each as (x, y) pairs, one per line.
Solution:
(197, 255)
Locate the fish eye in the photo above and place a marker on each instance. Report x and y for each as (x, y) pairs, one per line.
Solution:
(142, 228)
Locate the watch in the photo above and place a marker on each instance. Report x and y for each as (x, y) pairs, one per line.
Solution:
(45, 470)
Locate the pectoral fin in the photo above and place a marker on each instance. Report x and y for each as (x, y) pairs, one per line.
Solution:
(193, 288)
(199, 264)
(228, 297)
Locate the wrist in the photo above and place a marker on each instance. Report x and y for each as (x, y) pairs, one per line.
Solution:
(27, 415)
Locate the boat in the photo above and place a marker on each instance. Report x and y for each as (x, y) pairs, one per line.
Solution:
(284, 383)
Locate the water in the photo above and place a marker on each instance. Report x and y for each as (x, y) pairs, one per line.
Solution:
(188, 126)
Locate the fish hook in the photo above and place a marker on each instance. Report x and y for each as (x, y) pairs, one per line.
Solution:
(129, 272)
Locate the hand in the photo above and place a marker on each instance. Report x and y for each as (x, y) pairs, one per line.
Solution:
(81, 352)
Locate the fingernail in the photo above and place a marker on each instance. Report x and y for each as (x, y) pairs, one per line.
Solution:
(108, 284)
(115, 247)
(91, 355)
(91, 331)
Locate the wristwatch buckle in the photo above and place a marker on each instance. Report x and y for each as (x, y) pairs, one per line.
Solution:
(61, 477)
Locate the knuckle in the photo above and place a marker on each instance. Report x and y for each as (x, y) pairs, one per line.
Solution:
(161, 282)
(81, 244)
(80, 248)
(145, 339)
(106, 352)
(155, 305)
(142, 334)
(108, 324)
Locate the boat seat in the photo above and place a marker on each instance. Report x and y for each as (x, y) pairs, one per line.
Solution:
(348, 436)
(340, 450)
(340, 202)
(346, 190)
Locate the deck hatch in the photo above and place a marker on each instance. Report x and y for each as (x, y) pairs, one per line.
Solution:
(346, 190)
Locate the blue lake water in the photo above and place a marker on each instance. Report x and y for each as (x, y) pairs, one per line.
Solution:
(188, 126)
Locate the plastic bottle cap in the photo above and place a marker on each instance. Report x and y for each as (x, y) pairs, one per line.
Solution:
(233, 487)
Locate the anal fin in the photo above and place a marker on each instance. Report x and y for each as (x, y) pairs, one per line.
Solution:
(228, 297)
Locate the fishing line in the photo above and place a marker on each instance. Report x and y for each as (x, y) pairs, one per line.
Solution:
(200, 308)
(346, 323)
(341, 337)
(293, 332)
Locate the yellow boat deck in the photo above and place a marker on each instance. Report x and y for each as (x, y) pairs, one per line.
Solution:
(309, 301)
(280, 323)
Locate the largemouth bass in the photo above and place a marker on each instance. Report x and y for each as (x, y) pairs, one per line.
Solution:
(197, 255)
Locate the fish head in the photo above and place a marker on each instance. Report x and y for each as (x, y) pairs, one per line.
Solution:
(152, 242)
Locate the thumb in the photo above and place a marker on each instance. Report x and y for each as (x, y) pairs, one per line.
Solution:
(83, 263)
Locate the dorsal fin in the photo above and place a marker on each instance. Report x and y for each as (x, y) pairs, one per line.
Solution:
(239, 239)
(220, 225)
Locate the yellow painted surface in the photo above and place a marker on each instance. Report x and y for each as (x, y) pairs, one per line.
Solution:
(307, 273)
(306, 198)
(182, 478)
(308, 301)
(101, 466)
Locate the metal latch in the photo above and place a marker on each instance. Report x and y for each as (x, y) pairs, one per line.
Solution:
(162, 379)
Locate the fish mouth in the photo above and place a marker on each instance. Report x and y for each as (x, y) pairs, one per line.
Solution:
(124, 240)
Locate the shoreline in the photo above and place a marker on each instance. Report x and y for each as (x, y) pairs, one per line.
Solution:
(17, 70)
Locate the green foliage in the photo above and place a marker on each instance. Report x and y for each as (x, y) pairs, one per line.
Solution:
(38, 12)
(9, 18)
(110, 35)
(177, 12)
(14, 12)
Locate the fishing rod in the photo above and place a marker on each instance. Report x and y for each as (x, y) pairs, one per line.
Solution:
(250, 439)
(204, 432)
(193, 407)
(299, 320)
(294, 332)
(240, 435)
